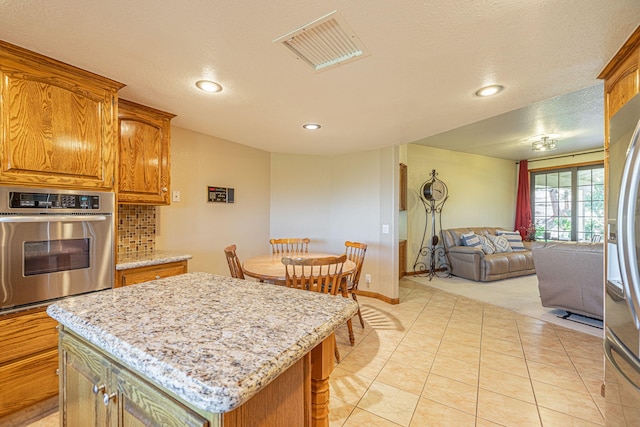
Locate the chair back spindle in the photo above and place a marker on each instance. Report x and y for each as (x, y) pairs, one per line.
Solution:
(315, 274)
(290, 245)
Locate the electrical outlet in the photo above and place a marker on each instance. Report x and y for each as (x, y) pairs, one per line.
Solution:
(367, 278)
(176, 196)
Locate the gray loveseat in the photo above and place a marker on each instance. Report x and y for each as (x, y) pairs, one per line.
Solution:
(473, 264)
(571, 276)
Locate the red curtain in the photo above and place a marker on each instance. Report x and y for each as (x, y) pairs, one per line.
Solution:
(523, 203)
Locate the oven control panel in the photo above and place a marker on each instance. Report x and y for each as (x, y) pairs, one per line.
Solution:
(18, 199)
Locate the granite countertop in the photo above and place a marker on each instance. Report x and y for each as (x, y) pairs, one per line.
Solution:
(143, 259)
(212, 340)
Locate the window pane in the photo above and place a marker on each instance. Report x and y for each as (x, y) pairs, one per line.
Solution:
(540, 180)
(584, 177)
(597, 176)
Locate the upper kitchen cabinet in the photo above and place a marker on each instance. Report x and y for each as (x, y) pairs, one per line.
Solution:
(622, 76)
(58, 124)
(144, 154)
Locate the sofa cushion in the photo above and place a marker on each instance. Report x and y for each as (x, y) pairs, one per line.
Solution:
(514, 238)
(501, 244)
(471, 239)
(487, 246)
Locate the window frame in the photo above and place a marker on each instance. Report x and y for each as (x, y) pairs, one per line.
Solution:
(574, 169)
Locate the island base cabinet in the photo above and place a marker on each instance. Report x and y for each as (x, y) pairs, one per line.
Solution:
(97, 391)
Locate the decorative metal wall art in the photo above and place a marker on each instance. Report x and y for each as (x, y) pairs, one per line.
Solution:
(432, 257)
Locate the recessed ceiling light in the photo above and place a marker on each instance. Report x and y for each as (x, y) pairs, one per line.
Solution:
(489, 90)
(208, 86)
(311, 126)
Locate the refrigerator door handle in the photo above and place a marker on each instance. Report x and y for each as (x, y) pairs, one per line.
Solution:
(611, 344)
(630, 277)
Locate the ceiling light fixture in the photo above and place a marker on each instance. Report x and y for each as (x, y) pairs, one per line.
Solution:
(544, 144)
(489, 90)
(311, 126)
(208, 86)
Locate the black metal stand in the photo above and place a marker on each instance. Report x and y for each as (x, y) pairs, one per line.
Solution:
(432, 258)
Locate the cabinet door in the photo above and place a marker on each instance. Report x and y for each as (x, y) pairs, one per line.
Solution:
(144, 405)
(85, 379)
(28, 381)
(57, 123)
(28, 359)
(403, 188)
(144, 154)
(133, 276)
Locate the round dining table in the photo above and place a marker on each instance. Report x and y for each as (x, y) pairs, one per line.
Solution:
(269, 268)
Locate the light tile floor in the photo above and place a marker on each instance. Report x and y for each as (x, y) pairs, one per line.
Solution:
(437, 359)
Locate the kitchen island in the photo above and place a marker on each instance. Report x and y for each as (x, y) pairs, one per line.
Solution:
(198, 349)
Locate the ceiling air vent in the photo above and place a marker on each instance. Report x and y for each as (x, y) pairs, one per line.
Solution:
(325, 42)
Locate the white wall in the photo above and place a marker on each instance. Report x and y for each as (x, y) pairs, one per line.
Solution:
(331, 199)
(203, 229)
(482, 191)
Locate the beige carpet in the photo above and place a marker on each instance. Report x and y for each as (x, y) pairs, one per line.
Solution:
(519, 294)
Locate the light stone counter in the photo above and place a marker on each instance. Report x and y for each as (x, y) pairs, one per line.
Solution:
(143, 259)
(212, 340)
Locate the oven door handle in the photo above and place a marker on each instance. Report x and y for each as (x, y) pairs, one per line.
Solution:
(54, 218)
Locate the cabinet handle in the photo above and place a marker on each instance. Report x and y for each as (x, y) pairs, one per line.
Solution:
(98, 388)
(157, 277)
(108, 397)
(165, 189)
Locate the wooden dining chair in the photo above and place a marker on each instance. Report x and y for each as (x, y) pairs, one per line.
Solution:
(235, 267)
(287, 246)
(322, 275)
(355, 252)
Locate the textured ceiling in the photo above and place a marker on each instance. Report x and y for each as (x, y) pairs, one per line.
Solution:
(426, 60)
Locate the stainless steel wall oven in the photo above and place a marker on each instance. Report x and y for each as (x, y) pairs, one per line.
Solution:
(54, 243)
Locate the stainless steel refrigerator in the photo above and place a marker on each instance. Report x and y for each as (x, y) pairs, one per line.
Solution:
(622, 296)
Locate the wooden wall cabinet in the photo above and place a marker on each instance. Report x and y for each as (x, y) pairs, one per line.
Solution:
(144, 154)
(402, 258)
(403, 187)
(58, 124)
(132, 276)
(622, 76)
(28, 360)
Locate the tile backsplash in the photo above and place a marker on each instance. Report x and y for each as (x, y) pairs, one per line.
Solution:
(136, 229)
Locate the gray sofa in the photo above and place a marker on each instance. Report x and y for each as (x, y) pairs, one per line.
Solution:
(571, 276)
(473, 264)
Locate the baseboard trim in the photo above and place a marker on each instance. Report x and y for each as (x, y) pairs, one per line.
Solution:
(379, 297)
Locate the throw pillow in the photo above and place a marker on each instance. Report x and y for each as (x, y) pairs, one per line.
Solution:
(501, 244)
(514, 238)
(487, 246)
(471, 239)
